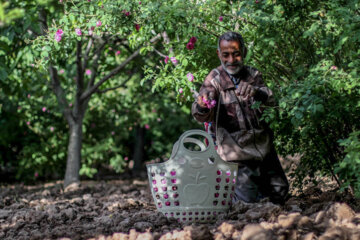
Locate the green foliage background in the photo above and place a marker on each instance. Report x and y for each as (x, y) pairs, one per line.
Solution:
(307, 50)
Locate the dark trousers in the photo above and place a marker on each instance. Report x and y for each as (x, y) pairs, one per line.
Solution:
(260, 179)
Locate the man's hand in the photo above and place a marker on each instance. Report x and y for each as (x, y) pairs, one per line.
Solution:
(205, 98)
(245, 90)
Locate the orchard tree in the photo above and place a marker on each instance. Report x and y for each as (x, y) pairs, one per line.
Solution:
(85, 42)
(97, 42)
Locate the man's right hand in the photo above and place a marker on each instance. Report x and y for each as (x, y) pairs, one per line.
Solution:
(205, 97)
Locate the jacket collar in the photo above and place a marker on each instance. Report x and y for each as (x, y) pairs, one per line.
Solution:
(225, 80)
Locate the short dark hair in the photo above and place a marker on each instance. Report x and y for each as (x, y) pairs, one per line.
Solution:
(232, 36)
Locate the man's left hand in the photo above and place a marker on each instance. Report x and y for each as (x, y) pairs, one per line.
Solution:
(245, 90)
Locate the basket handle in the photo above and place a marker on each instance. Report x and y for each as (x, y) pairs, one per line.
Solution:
(195, 141)
(188, 133)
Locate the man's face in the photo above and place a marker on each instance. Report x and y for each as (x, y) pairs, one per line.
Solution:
(230, 56)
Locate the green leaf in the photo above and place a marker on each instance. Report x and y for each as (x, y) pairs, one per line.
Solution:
(45, 54)
(311, 31)
(3, 74)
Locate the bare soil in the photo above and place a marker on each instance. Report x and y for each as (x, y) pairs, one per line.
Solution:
(124, 209)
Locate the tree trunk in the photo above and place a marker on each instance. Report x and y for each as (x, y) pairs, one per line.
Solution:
(139, 150)
(74, 153)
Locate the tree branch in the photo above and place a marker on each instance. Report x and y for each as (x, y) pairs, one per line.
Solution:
(95, 65)
(102, 44)
(79, 80)
(159, 53)
(115, 71)
(80, 70)
(113, 88)
(60, 95)
(207, 31)
(167, 40)
(87, 51)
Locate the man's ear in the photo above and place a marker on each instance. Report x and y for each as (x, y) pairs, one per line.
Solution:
(245, 52)
(218, 52)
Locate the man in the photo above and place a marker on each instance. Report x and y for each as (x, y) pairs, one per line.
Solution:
(240, 135)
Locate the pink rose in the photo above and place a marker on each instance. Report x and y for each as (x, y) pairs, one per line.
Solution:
(190, 77)
(333, 68)
(181, 90)
(59, 32)
(44, 109)
(126, 158)
(57, 37)
(147, 126)
(98, 23)
(78, 31)
(166, 60)
(174, 60)
(61, 71)
(28, 123)
(127, 13)
(112, 133)
(88, 72)
(221, 18)
(209, 104)
(36, 174)
(51, 129)
(28, 95)
(117, 52)
(193, 40)
(90, 32)
(137, 27)
(190, 45)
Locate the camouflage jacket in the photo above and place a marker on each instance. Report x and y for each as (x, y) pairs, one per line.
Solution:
(235, 114)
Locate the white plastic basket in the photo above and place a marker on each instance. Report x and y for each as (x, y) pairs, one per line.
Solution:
(193, 186)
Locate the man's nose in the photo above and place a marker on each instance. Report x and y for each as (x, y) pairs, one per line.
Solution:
(231, 59)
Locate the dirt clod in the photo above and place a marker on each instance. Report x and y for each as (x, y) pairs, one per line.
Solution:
(256, 232)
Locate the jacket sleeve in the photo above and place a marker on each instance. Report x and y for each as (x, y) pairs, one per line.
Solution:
(263, 93)
(204, 114)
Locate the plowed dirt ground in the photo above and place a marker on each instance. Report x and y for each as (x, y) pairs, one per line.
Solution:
(124, 209)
